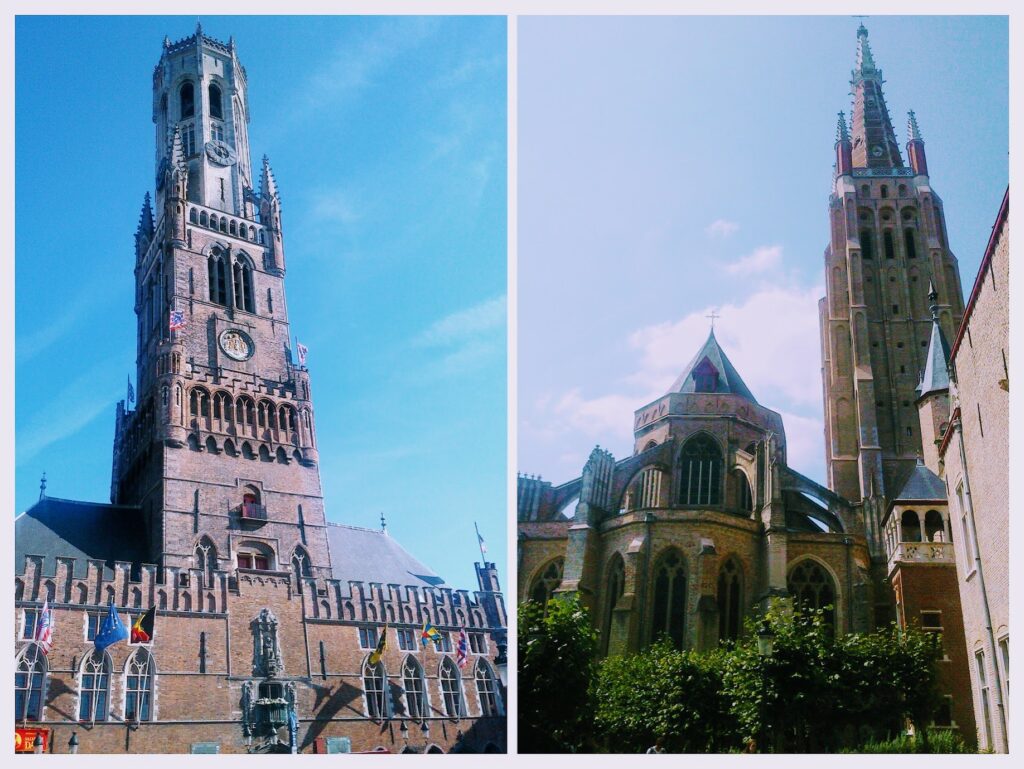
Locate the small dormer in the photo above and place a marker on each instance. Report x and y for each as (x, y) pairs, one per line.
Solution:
(705, 376)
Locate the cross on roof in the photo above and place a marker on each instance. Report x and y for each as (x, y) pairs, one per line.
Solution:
(713, 316)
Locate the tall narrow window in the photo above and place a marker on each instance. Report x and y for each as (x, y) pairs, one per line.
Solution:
(729, 602)
(986, 707)
(744, 498)
(487, 689)
(451, 688)
(415, 689)
(866, 244)
(375, 690)
(218, 277)
(94, 694)
(205, 559)
(670, 598)
(812, 588)
(616, 586)
(890, 249)
(188, 101)
(29, 684)
(700, 472)
(909, 244)
(215, 102)
(138, 691)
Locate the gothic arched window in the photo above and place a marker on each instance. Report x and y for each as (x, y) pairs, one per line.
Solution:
(700, 465)
(375, 690)
(729, 602)
(890, 248)
(242, 273)
(94, 692)
(910, 527)
(205, 559)
(138, 687)
(188, 100)
(909, 245)
(451, 688)
(217, 274)
(670, 598)
(812, 588)
(545, 584)
(487, 690)
(616, 584)
(300, 566)
(216, 110)
(744, 498)
(415, 689)
(30, 684)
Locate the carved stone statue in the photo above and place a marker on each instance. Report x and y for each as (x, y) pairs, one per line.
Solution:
(266, 649)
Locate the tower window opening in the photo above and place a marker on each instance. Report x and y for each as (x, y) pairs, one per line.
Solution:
(885, 191)
(700, 472)
(866, 246)
(908, 243)
(865, 191)
(188, 139)
(188, 100)
(221, 180)
(218, 278)
(670, 598)
(217, 130)
(890, 250)
(895, 309)
(215, 102)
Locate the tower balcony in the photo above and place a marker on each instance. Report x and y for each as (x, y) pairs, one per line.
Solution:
(251, 512)
(922, 552)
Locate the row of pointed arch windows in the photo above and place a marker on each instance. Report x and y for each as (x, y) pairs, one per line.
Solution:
(249, 555)
(240, 270)
(381, 704)
(187, 100)
(94, 684)
(810, 584)
(225, 225)
(222, 411)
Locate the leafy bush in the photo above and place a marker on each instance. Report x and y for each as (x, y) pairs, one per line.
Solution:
(937, 741)
(556, 667)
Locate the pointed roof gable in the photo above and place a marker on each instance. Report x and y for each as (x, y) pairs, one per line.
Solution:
(268, 185)
(922, 485)
(874, 141)
(712, 360)
(936, 366)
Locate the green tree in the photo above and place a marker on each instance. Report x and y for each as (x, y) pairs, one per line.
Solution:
(556, 667)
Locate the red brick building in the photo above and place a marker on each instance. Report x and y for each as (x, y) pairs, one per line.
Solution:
(266, 612)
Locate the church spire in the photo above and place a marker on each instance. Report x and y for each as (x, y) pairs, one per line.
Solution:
(915, 146)
(936, 368)
(146, 225)
(874, 141)
(268, 185)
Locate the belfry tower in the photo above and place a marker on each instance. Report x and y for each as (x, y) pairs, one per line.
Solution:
(888, 246)
(220, 455)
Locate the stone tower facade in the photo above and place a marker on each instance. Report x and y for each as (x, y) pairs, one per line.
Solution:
(888, 247)
(220, 454)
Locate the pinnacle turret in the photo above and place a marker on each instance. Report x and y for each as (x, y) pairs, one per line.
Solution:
(865, 61)
(268, 185)
(913, 132)
(177, 151)
(842, 132)
(146, 223)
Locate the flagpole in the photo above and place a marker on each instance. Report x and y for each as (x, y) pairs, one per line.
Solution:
(480, 542)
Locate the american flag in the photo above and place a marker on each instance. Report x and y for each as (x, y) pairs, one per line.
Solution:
(44, 628)
(462, 656)
(177, 320)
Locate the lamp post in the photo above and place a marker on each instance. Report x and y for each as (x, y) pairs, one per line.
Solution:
(403, 730)
(765, 639)
(73, 743)
(501, 661)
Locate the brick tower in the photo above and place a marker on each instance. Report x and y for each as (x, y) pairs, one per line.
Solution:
(220, 454)
(888, 245)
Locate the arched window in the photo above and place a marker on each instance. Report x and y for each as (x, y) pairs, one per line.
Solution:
(94, 693)
(909, 244)
(487, 690)
(188, 100)
(545, 584)
(138, 686)
(729, 602)
(744, 497)
(670, 598)
(218, 277)
(415, 689)
(451, 688)
(616, 584)
(644, 491)
(890, 249)
(910, 527)
(30, 684)
(205, 559)
(203, 220)
(251, 507)
(193, 216)
(242, 273)
(300, 566)
(812, 588)
(934, 526)
(255, 555)
(700, 465)
(375, 690)
(216, 109)
(867, 248)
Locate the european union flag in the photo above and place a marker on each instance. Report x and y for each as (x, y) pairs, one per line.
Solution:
(111, 631)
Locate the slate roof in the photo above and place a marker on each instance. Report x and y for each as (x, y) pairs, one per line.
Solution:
(80, 530)
(936, 367)
(370, 555)
(923, 485)
(729, 380)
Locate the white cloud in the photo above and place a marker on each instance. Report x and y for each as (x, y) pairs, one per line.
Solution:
(721, 228)
(336, 206)
(771, 337)
(465, 324)
(760, 259)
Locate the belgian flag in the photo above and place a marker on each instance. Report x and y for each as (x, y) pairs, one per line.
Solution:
(142, 630)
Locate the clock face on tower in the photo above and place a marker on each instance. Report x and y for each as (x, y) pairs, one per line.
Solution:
(220, 153)
(877, 150)
(236, 344)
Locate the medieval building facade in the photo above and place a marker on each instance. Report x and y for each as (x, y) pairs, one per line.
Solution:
(266, 611)
(706, 522)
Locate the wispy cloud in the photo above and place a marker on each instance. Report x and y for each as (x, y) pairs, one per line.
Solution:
(36, 340)
(721, 228)
(465, 325)
(337, 206)
(760, 259)
(57, 421)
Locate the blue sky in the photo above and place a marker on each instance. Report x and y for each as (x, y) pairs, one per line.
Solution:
(671, 165)
(387, 137)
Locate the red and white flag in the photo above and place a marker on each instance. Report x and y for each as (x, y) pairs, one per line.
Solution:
(302, 350)
(462, 655)
(44, 628)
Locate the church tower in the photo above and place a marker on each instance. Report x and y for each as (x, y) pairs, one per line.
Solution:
(220, 455)
(888, 246)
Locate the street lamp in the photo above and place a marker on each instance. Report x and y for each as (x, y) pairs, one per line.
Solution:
(73, 743)
(403, 730)
(37, 743)
(501, 661)
(765, 639)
